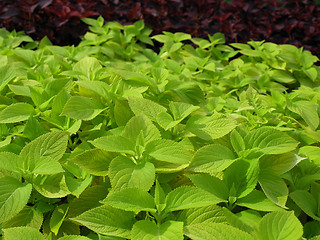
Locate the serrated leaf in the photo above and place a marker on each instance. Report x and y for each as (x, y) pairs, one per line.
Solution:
(211, 158)
(274, 187)
(189, 197)
(7, 73)
(168, 151)
(131, 199)
(181, 110)
(115, 143)
(308, 111)
(74, 237)
(258, 201)
(280, 163)
(215, 231)
(28, 217)
(82, 108)
(87, 66)
(16, 112)
(241, 177)
(10, 162)
(122, 112)
(237, 141)
(213, 127)
(142, 106)
(57, 217)
(210, 184)
(107, 220)
(235, 221)
(98, 87)
(94, 161)
(14, 196)
(124, 173)
(89, 198)
(22, 233)
(270, 141)
(212, 213)
(51, 145)
(51, 186)
(306, 202)
(45, 166)
(280, 225)
(148, 230)
(141, 123)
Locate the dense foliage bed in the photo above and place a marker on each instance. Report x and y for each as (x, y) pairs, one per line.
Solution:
(279, 21)
(202, 140)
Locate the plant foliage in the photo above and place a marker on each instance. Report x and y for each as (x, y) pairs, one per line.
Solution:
(203, 140)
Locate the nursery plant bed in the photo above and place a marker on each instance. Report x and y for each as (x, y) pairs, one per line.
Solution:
(201, 140)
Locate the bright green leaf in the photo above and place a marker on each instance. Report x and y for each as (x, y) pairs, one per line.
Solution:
(131, 199)
(148, 230)
(16, 112)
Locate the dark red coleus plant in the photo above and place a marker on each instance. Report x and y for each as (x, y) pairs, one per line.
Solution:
(288, 21)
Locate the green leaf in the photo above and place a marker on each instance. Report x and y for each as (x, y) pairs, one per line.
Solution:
(51, 186)
(181, 110)
(270, 141)
(107, 220)
(308, 111)
(282, 76)
(28, 216)
(159, 197)
(258, 201)
(122, 112)
(10, 162)
(148, 230)
(237, 141)
(210, 184)
(51, 145)
(82, 108)
(189, 197)
(46, 165)
(14, 196)
(241, 177)
(57, 217)
(94, 161)
(140, 123)
(306, 202)
(312, 152)
(89, 198)
(131, 199)
(280, 225)
(16, 112)
(212, 213)
(7, 73)
(98, 87)
(22, 233)
(87, 66)
(74, 237)
(274, 187)
(115, 143)
(142, 106)
(41, 155)
(211, 159)
(124, 173)
(168, 151)
(215, 231)
(280, 163)
(213, 127)
(235, 221)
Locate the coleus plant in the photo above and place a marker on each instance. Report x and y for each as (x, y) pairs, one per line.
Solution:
(203, 140)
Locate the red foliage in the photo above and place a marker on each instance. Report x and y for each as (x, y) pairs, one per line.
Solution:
(288, 21)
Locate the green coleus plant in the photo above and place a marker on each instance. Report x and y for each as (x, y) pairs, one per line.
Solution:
(201, 140)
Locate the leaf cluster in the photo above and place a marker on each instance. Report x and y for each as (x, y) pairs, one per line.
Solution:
(202, 140)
